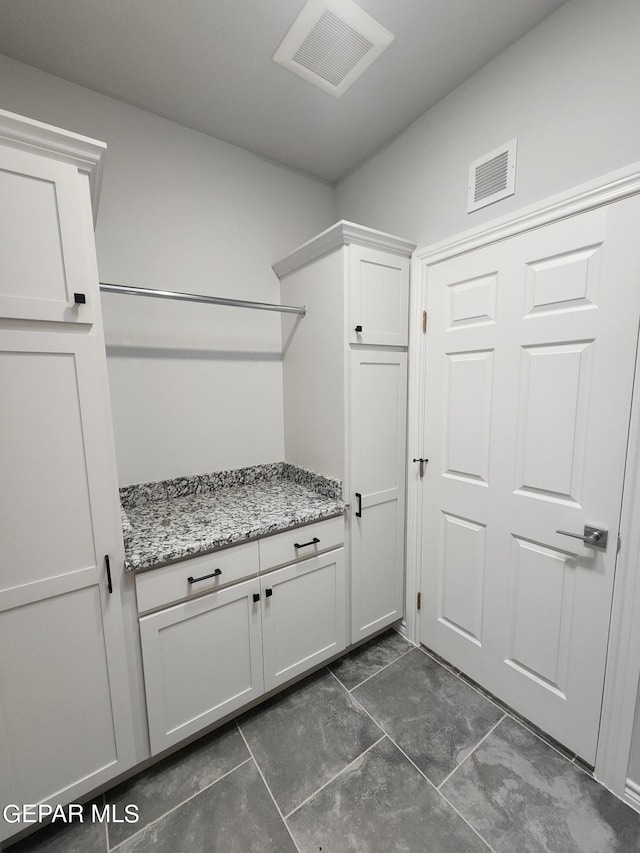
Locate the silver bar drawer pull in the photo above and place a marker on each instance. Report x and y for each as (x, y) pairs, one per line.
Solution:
(215, 574)
(594, 537)
(314, 541)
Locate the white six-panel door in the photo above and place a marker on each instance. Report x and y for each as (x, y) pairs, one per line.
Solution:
(529, 370)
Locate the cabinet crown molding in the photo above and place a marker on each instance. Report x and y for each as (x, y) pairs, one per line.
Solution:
(36, 137)
(343, 233)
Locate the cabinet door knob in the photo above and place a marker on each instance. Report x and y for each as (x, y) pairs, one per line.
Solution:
(268, 593)
(358, 329)
(359, 510)
(256, 597)
(79, 298)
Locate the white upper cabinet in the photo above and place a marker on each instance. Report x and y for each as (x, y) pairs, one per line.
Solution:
(378, 297)
(45, 260)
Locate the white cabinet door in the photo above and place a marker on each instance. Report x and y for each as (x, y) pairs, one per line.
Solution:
(303, 616)
(46, 228)
(65, 724)
(378, 297)
(202, 660)
(378, 393)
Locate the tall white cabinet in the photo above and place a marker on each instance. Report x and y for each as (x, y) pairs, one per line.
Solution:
(345, 398)
(65, 720)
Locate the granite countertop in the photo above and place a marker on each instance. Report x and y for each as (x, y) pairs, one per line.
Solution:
(176, 519)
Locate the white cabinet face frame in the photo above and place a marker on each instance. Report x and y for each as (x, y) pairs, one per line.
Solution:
(45, 259)
(623, 663)
(303, 616)
(378, 288)
(202, 661)
(378, 401)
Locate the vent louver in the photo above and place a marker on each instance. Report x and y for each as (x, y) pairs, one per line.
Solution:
(331, 43)
(332, 49)
(492, 177)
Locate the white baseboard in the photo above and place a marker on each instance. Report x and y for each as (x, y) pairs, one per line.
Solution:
(632, 795)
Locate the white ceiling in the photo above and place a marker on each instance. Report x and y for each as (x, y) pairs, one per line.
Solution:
(208, 65)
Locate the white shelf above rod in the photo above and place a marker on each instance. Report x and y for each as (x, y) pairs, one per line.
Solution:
(195, 297)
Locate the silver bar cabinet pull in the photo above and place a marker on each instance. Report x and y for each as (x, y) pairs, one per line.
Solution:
(594, 537)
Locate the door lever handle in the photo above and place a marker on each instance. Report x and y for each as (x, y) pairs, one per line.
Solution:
(594, 537)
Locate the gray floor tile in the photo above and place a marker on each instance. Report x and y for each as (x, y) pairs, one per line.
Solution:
(178, 777)
(236, 815)
(521, 795)
(365, 661)
(381, 803)
(433, 716)
(84, 837)
(303, 737)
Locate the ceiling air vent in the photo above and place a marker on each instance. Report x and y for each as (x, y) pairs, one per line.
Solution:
(331, 43)
(492, 177)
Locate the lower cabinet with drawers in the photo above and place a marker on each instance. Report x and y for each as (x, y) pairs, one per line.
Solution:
(227, 627)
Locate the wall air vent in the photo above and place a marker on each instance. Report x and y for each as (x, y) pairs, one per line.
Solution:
(492, 177)
(331, 43)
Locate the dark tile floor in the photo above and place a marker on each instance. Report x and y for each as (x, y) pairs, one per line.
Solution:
(385, 751)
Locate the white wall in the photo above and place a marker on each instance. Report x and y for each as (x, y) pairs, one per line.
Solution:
(568, 90)
(194, 388)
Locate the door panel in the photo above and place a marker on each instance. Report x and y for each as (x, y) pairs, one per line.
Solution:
(550, 451)
(65, 718)
(304, 617)
(539, 615)
(462, 569)
(43, 442)
(378, 383)
(42, 660)
(378, 297)
(44, 260)
(468, 414)
(202, 660)
(529, 368)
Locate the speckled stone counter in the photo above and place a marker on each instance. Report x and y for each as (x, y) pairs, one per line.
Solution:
(175, 519)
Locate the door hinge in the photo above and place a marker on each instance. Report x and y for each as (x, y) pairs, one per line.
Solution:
(419, 607)
(424, 322)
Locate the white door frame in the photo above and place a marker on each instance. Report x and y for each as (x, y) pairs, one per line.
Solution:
(623, 656)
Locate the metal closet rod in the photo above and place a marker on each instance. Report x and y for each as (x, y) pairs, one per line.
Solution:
(195, 297)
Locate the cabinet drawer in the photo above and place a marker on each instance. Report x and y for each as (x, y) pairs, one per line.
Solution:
(169, 584)
(281, 548)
